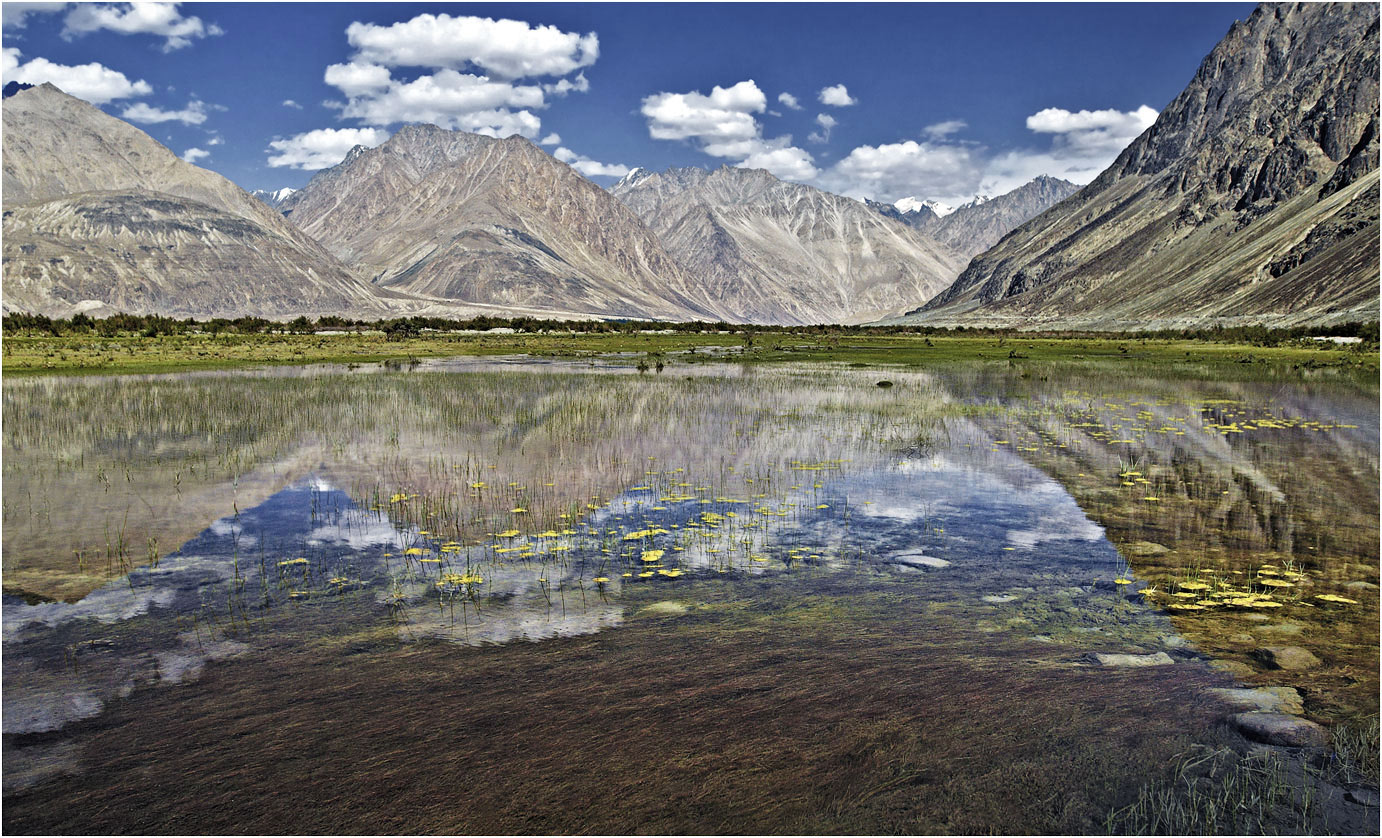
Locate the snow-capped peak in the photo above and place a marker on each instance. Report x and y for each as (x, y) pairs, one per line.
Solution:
(283, 193)
(978, 199)
(636, 174)
(909, 204)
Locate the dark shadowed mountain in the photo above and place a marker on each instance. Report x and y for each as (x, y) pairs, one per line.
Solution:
(1252, 199)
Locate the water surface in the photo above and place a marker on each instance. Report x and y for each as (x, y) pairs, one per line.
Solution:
(555, 597)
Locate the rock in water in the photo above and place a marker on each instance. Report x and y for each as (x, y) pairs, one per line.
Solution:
(1286, 657)
(1281, 729)
(1264, 699)
(1155, 659)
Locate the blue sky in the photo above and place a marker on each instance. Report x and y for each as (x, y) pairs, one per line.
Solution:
(931, 100)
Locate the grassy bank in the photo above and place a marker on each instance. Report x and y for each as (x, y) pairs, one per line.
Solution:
(82, 354)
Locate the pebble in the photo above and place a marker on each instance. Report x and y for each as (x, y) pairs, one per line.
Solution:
(1147, 548)
(1363, 797)
(1157, 659)
(1284, 628)
(669, 607)
(1281, 729)
(1262, 699)
(917, 560)
(1286, 657)
(999, 598)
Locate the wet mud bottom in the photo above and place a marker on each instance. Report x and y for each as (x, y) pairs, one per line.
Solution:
(848, 707)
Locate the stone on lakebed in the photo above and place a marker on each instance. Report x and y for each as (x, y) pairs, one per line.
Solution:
(1281, 729)
(1262, 699)
(1286, 657)
(1109, 659)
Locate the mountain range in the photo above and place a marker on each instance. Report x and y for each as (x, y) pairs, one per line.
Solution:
(1252, 198)
(975, 226)
(471, 218)
(99, 217)
(778, 252)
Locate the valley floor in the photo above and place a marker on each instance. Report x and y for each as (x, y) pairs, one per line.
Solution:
(81, 354)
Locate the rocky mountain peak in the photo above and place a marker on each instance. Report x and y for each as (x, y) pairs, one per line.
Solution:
(1252, 198)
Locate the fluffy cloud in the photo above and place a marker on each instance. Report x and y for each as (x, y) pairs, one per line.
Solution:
(787, 162)
(1081, 144)
(160, 19)
(564, 86)
(724, 116)
(15, 14)
(289, 103)
(505, 48)
(941, 130)
(476, 65)
(836, 96)
(826, 122)
(896, 170)
(323, 147)
(1092, 132)
(215, 141)
(192, 155)
(723, 125)
(589, 167)
(93, 82)
(551, 139)
(193, 114)
(358, 79)
(446, 98)
(789, 100)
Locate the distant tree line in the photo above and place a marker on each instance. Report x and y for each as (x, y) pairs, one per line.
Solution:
(402, 328)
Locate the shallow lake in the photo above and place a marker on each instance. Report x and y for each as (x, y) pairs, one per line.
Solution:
(511, 596)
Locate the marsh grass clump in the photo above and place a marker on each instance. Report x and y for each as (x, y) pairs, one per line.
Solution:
(1217, 792)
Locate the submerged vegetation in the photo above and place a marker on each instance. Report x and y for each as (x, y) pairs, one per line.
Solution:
(827, 604)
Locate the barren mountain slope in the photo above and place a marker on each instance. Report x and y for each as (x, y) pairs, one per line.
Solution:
(1252, 198)
(469, 218)
(777, 252)
(100, 217)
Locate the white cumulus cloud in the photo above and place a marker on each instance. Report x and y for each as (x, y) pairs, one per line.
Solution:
(551, 139)
(589, 167)
(826, 122)
(192, 155)
(1073, 145)
(323, 147)
(289, 103)
(1092, 132)
(15, 15)
(504, 48)
(476, 67)
(837, 96)
(358, 79)
(941, 130)
(159, 19)
(890, 171)
(564, 86)
(789, 100)
(723, 124)
(93, 82)
(193, 114)
(449, 99)
(787, 162)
